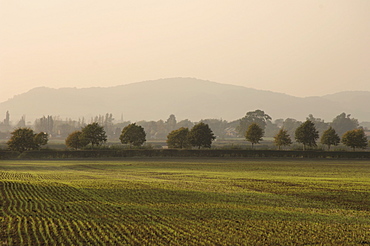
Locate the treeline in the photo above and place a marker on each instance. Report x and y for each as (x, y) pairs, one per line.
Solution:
(58, 128)
(253, 127)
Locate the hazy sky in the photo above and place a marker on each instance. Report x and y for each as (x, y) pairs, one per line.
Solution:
(302, 48)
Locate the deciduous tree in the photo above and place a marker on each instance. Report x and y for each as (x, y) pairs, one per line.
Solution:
(201, 136)
(22, 139)
(41, 138)
(178, 138)
(330, 137)
(307, 134)
(76, 141)
(343, 123)
(282, 139)
(254, 134)
(94, 133)
(258, 116)
(133, 135)
(355, 139)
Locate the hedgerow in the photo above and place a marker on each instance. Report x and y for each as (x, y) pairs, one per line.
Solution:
(221, 153)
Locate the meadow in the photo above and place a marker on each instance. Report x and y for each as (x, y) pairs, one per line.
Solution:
(186, 201)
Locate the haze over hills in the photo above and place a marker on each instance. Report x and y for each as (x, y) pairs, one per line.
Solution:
(186, 98)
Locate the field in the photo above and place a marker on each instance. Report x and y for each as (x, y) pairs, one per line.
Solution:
(185, 202)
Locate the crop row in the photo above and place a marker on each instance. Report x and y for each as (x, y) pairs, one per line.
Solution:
(117, 205)
(38, 212)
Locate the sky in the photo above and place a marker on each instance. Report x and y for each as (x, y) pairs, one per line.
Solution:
(301, 48)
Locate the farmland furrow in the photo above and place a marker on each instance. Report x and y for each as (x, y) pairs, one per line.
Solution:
(54, 232)
(36, 234)
(46, 225)
(122, 234)
(25, 230)
(69, 231)
(9, 230)
(183, 203)
(48, 199)
(94, 232)
(61, 227)
(20, 231)
(17, 203)
(85, 230)
(103, 232)
(168, 228)
(77, 229)
(40, 230)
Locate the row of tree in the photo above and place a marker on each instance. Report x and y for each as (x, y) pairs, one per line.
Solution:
(134, 135)
(58, 128)
(200, 135)
(307, 135)
(253, 126)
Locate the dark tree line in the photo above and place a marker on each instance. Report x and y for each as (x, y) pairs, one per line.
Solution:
(58, 128)
(185, 134)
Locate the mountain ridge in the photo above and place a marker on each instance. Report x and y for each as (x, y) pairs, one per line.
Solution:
(186, 98)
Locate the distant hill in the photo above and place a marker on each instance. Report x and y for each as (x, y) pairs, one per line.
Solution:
(186, 98)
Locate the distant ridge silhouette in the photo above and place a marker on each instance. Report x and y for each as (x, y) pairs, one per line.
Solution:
(186, 98)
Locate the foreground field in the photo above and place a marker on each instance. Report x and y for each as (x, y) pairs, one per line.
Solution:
(185, 202)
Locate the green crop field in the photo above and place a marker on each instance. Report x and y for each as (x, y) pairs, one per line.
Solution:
(185, 202)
